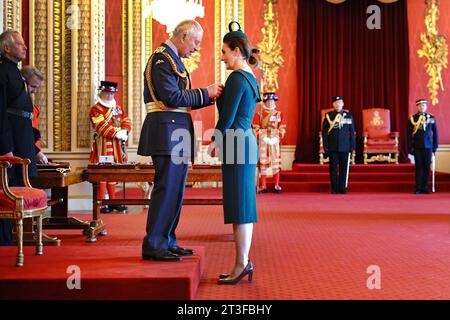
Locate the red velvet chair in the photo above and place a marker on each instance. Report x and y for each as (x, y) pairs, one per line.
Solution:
(20, 203)
(380, 144)
(322, 158)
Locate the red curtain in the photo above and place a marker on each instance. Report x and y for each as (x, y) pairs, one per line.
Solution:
(339, 55)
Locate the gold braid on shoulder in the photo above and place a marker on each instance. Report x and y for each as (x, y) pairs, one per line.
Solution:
(148, 75)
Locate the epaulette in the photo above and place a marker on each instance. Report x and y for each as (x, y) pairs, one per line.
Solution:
(159, 49)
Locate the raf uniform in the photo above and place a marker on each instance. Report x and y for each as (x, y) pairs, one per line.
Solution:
(423, 142)
(16, 130)
(338, 143)
(169, 100)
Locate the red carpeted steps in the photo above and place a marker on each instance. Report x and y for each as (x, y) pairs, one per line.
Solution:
(363, 178)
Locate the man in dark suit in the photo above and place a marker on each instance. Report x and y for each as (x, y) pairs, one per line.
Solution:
(422, 143)
(338, 143)
(167, 135)
(16, 114)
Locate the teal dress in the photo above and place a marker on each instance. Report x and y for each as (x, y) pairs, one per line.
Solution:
(238, 146)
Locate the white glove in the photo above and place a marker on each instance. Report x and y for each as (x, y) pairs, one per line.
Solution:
(122, 135)
(274, 140)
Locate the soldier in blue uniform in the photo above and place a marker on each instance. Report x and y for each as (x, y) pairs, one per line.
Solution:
(339, 143)
(422, 143)
(16, 114)
(168, 136)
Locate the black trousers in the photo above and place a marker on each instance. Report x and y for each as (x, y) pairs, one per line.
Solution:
(165, 205)
(338, 163)
(422, 158)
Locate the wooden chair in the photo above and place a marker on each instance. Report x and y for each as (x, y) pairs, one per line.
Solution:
(380, 144)
(19, 203)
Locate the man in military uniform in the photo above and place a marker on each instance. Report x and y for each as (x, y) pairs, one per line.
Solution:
(167, 135)
(16, 114)
(112, 126)
(422, 143)
(270, 130)
(338, 143)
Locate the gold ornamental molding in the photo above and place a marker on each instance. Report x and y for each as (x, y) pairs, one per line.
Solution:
(434, 49)
(270, 47)
(11, 15)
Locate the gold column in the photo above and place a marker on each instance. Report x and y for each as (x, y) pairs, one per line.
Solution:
(11, 15)
(39, 58)
(84, 94)
(434, 49)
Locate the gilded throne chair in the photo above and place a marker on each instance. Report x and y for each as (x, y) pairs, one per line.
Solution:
(380, 143)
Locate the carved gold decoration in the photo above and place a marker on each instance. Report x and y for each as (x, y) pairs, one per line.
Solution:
(40, 61)
(58, 30)
(137, 71)
(270, 47)
(390, 158)
(434, 49)
(12, 15)
(192, 62)
(125, 51)
(376, 120)
(83, 99)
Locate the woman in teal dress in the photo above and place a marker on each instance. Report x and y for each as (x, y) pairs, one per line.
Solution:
(238, 149)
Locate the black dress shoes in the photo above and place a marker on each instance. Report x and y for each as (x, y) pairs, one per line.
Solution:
(165, 256)
(181, 251)
(119, 207)
(426, 191)
(105, 209)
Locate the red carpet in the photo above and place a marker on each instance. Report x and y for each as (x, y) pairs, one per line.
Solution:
(362, 178)
(305, 246)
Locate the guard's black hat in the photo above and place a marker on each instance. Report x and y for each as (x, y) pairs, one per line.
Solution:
(420, 101)
(270, 96)
(108, 86)
(336, 98)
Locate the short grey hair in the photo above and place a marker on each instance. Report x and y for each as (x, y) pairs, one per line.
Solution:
(7, 39)
(188, 27)
(28, 72)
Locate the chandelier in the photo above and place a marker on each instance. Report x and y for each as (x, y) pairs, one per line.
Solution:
(172, 12)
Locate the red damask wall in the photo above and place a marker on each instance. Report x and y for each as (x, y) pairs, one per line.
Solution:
(113, 45)
(287, 76)
(418, 76)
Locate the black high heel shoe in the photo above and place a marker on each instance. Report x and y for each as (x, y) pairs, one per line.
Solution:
(248, 270)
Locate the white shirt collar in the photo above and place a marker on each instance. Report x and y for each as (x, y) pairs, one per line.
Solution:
(170, 44)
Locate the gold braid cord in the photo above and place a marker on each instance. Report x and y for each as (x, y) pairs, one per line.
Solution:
(148, 72)
(434, 49)
(270, 47)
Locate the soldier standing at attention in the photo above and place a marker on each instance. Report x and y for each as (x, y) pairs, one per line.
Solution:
(338, 143)
(422, 143)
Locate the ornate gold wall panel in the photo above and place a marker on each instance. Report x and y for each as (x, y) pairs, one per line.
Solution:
(40, 57)
(84, 94)
(11, 15)
(125, 55)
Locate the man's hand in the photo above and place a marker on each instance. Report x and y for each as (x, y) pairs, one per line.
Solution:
(41, 158)
(214, 90)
